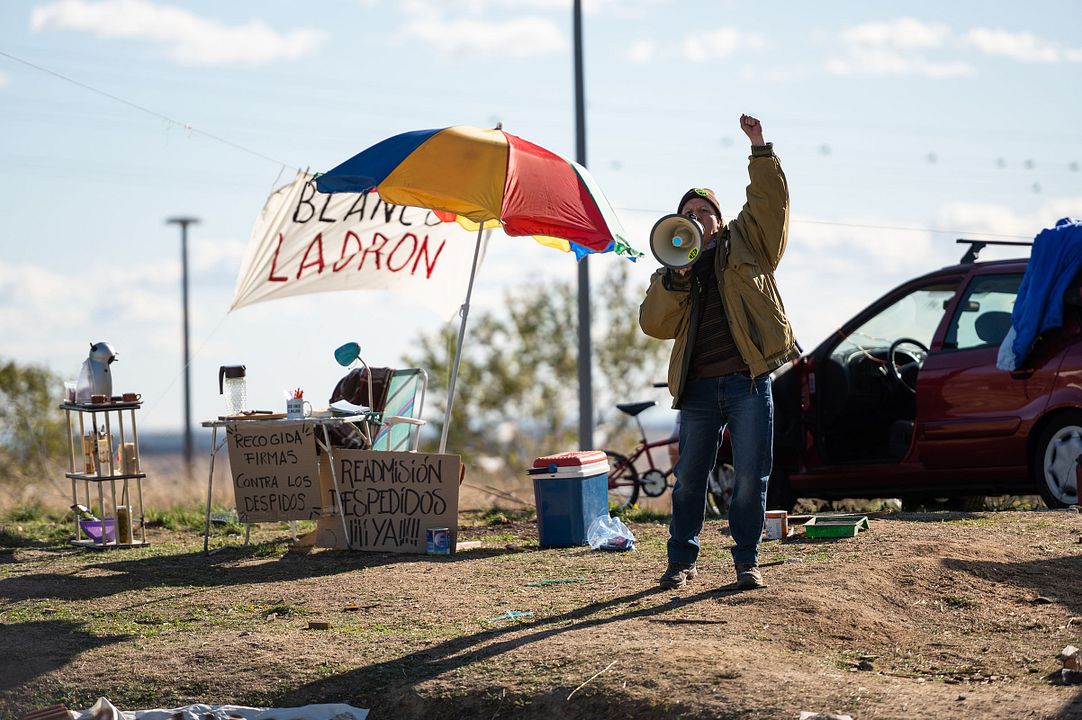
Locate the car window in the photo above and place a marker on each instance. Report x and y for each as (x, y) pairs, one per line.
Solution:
(983, 316)
(915, 316)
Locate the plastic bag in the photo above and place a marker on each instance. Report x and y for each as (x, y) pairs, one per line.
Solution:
(609, 533)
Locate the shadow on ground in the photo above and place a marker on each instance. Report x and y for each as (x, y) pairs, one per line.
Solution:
(239, 565)
(388, 687)
(55, 643)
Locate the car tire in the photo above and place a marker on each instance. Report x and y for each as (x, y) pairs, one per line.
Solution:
(1054, 466)
(779, 493)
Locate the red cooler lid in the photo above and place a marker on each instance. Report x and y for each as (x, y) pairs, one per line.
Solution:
(571, 459)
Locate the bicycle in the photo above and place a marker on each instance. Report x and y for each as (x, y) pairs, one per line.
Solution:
(625, 482)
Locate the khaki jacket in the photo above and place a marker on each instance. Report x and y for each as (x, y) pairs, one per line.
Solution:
(751, 248)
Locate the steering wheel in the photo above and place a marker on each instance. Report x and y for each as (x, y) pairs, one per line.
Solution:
(896, 371)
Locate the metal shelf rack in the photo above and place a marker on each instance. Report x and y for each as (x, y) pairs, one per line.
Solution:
(94, 461)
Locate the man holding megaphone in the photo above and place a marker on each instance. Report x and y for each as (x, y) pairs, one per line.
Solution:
(716, 297)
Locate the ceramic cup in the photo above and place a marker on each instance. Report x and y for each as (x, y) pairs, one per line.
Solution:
(298, 408)
(132, 397)
(98, 399)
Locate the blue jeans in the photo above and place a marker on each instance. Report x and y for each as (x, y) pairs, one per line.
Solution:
(708, 404)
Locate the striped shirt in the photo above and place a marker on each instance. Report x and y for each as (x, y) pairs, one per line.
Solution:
(714, 352)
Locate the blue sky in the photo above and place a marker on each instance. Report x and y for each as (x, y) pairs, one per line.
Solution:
(900, 128)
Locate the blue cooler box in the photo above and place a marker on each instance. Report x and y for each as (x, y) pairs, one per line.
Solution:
(570, 490)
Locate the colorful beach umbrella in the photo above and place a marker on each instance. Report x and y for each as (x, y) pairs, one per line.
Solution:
(486, 178)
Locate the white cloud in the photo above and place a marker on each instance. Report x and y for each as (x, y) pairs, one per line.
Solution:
(188, 38)
(641, 51)
(56, 318)
(1022, 46)
(470, 29)
(867, 258)
(517, 38)
(1000, 220)
(699, 47)
(775, 73)
(899, 47)
(215, 257)
(883, 61)
(900, 34)
(720, 43)
(895, 47)
(979, 218)
(482, 7)
(53, 317)
(846, 254)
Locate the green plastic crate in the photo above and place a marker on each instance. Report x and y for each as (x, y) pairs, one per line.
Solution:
(834, 526)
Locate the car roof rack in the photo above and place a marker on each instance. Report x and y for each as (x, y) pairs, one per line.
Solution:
(975, 247)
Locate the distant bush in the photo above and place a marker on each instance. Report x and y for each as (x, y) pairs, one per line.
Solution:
(517, 393)
(32, 429)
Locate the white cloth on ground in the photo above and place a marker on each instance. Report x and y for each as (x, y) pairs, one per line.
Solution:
(105, 710)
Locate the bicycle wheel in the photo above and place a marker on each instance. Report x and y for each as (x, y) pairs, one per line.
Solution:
(623, 482)
(719, 489)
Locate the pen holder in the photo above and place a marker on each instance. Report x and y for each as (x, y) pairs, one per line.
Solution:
(298, 408)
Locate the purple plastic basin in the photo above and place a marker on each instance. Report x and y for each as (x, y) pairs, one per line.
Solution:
(92, 528)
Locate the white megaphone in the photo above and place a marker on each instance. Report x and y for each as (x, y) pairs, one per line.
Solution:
(676, 240)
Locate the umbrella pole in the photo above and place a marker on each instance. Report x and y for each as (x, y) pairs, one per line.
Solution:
(465, 311)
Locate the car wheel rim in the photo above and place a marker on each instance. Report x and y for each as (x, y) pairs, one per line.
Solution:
(1061, 464)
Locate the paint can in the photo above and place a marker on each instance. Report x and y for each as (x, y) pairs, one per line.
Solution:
(438, 541)
(777, 524)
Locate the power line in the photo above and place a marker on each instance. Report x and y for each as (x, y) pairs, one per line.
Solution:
(224, 141)
(956, 233)
(148, 111)
(862, 226)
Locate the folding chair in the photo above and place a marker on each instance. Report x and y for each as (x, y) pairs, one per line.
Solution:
(394, 398)
(401, 428)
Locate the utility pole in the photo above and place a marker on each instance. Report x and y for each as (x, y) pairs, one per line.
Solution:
(586, 391)
(184, 222)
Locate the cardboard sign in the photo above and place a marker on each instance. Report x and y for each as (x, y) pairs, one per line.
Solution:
(275, 473)
(390, 500)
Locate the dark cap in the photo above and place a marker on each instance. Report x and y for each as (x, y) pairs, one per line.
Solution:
(704, 193)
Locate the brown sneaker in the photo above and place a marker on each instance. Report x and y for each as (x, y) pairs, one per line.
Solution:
(677, 575)
(748, 577)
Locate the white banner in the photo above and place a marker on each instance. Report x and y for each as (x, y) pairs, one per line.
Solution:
(307, 242)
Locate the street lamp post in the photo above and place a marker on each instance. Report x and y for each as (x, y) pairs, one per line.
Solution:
(586, 391)
(184, 222)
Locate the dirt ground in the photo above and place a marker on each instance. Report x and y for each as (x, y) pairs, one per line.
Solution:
(937, 615)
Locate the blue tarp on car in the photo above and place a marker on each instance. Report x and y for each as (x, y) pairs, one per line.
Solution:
(1055, 260)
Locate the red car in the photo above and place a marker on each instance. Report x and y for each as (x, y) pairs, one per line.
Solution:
(905, 399)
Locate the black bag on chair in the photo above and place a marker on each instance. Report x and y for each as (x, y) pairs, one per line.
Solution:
(353, 388)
